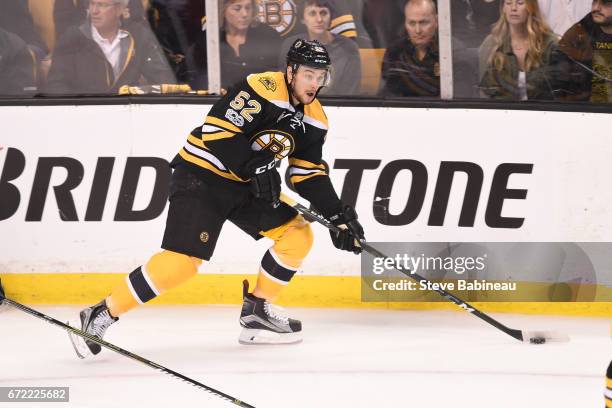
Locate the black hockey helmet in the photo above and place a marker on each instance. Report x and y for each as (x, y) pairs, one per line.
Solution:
(310, 53)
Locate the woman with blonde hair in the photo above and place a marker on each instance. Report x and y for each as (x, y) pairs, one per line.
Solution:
(515, 57)
(245, 45)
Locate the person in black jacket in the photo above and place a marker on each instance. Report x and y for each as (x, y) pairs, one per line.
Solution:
(99, 57)
(15, 18)
(411, 65)
(17, 66)
(69, 13)
(584, 62)
(245, 45)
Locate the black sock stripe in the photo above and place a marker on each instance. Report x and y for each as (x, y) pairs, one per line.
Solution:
(273, 268)
(140, 285)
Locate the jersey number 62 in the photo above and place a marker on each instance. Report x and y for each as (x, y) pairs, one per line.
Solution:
(238, 112)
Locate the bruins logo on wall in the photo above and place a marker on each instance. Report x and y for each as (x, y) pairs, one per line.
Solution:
(278, 14)
(279, 143)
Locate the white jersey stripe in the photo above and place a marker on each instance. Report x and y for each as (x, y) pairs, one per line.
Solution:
(313, 122)
(284, 105)
(212, 129)
(295, 170)
(203, 154)
(344, 27)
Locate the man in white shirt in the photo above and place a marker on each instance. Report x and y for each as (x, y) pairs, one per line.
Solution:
(100, 56)
(560, 15)
(105, 16)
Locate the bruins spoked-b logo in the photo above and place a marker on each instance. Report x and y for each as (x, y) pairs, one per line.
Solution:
(279, 143)
(278, 14)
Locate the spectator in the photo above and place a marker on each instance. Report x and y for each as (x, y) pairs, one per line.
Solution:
(68, 13)
(16, 18)
(245, 45)
(17, 66)
(411, 65)
(283, 16)
(98, 57)
(561, 15)
(584, 60)
(515, 58)
(344, 53)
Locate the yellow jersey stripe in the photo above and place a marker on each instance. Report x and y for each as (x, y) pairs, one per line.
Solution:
(211, 120)
(207, 137)
(350, 33)
(206, 165)
(315, 116)
(305, 164)
(196, 141)
(609, 383)
(298, 179)
(347, 18)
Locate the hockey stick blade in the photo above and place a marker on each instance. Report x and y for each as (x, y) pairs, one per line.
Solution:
(74, 341)
(532, 337)
(124, 352)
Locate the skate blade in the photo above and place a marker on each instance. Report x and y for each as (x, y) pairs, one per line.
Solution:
(256, 336)
(80, 348)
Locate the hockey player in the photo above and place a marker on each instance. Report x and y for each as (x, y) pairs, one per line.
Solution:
(227, 171)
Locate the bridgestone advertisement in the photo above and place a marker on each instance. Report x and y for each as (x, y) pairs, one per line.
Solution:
(83, 189)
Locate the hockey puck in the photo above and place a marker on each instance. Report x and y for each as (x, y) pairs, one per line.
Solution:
(537, 340)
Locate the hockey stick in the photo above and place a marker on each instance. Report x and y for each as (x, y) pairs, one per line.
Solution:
(533, 337)
(123, 352)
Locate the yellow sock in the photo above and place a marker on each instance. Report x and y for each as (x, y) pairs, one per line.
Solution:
(165, 270)
(292, 242)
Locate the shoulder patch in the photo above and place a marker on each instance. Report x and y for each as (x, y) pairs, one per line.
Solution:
(271, 87)
(268, 82)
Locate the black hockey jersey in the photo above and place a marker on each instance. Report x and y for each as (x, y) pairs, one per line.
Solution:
(256, 116)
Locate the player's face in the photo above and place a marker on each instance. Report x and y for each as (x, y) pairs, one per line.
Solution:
(316, 19)
(516, 12)
(602, 12)
(306, 82)
(421, 23)
(239, 15)
(105, 14)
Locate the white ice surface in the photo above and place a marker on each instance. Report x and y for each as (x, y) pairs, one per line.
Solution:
(349, 358)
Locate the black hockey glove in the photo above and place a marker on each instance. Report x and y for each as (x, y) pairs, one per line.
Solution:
(265, 180)
(351, 230)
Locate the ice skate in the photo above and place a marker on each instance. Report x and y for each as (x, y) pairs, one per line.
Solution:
(94, 320)
(264, 323)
